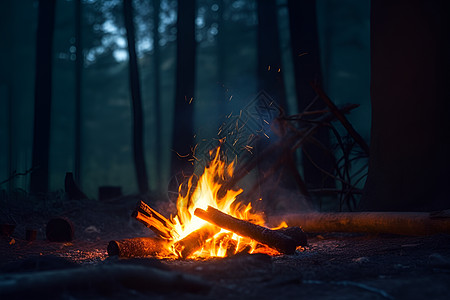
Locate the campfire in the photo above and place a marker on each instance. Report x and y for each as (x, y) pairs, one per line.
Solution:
(209, 222)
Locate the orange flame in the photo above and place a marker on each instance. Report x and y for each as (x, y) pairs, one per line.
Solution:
(207, 192)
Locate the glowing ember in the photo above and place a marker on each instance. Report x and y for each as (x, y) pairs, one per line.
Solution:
(201, 194)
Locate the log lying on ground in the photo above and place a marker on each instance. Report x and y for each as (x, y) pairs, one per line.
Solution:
(138, 247)
(405, 223)
(153, 220)
(104, 278)
(194, 241)
(279, 240)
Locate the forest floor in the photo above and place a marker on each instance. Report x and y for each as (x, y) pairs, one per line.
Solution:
(332, 266)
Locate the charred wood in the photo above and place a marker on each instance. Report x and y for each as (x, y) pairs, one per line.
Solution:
(194, 241)
(138, 247)
(284, 241)
(153, 220)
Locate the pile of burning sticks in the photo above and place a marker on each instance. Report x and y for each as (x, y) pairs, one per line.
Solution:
(284, 240)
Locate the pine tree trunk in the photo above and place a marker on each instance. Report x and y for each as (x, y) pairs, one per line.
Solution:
(270, 72)
(78, 106)
(306, 59)
(157, 87)
(138, 123)
(409, 152)
(185, 84)
(39, 180)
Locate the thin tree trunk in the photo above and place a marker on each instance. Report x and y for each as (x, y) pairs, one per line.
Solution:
(221, 56)
(270, 72)
(185, 84)
(306, 59)
(157, 87)
(11, 183)
(138, 123)
(39, 180)
(78, 105)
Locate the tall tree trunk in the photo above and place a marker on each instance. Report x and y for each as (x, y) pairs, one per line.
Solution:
(138, 123)
(306, 59)
(221, 56)
(42, 97)
(157, 91)
(182, 139)
(78, 106)
(270, 73)
(409, 152)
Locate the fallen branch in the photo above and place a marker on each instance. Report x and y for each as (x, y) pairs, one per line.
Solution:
(285, 241)
(156, 222)
(104, 278)
(405, 223)
(194, 241)
(341, 117)
(138, 247)
(15, 174)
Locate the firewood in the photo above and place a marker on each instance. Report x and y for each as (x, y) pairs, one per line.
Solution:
(104, 278)
(405, 223)
(59, 230)
(138, 247)
(194, 241)
(153, 220)
(279, 240)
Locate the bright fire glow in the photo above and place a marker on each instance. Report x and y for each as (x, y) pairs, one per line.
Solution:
(207, 192)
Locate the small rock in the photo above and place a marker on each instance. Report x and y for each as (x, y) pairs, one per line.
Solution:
(361, 260)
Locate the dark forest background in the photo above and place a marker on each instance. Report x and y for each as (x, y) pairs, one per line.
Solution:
(90, 64)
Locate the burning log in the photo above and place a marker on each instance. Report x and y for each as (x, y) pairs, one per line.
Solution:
(138, 247)
(285, 241)
(194, 241)
(153, 220)
(405, 223)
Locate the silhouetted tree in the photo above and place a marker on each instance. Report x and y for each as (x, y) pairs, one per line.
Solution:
(78, 73)
(270, 73)
(182, 139)
(409, 152)
(306, 59)
(157, 87)
(221, 53)
(138, 129)
(42, 97)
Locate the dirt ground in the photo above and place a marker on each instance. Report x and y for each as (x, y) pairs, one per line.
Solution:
(332, 266)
